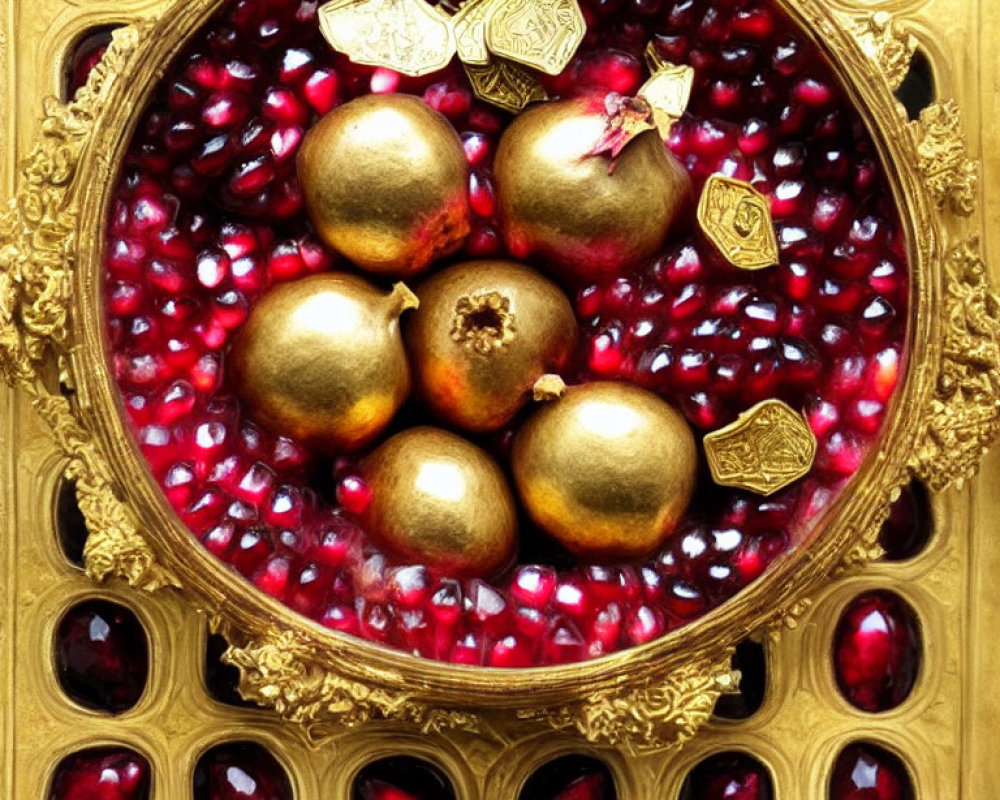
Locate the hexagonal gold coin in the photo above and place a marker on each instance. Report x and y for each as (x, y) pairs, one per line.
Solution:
(736, 218)
(542, 34)
(408, 36)
(768, 447)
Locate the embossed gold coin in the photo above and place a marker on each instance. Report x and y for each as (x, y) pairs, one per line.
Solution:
(321, 360)
(605, 468)
(505, 85)
(769, 447)
(541, 34)
(736, 218)
(439, 500)
(408, 36)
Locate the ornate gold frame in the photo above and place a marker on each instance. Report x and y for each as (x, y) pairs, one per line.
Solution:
(652, 697)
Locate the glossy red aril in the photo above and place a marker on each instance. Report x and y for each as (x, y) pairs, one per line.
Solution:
(728, 776)
(101, 656)
(401, 778)
(868, 772)
(240, 771)
(877, 651)
(570, 778)
(101, 774)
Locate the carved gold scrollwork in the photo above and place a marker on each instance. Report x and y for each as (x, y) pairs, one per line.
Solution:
(660, 714)
(885, 43)
(943, 158)
(281, 671)
(964, 415)
(38, 231)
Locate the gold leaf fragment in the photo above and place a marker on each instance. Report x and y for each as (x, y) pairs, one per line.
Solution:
(408, 36)
(736, 218)
(541, 34)
(505, 85)
(668, 92)
(767, 448)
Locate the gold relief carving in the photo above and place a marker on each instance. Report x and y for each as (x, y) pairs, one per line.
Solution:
(887, 45)
(942, 152)
(505, 84)
(408, 36)
(659, 715)
(282, 672)
(767, 448)
(36, 262)
(964, 415)
(736, 218)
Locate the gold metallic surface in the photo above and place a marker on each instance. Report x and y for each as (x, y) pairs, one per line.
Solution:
(606, 468)
(341, 695)
(769, 447)
(439, 500)
(484, 333)
(736, 219)
(668, 91)
(505, 85)
(562, 206)
(541, 34)
(469, 26)
(408, 36)
(321, 360)
(385, 182)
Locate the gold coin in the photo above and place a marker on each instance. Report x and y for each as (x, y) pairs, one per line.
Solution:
(505, 85)
(408, 36)
(736, 219)
(767, 448)
(541, 34)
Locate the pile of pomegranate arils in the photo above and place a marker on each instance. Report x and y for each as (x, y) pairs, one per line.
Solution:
(208, 215)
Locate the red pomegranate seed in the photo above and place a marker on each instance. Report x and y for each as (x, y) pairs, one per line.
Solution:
(867, 772)
(101, 774)
(354, 494)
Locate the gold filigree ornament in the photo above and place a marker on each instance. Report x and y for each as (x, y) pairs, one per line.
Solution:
(649, 697)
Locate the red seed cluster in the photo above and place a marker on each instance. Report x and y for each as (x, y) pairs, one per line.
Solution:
(208, 215)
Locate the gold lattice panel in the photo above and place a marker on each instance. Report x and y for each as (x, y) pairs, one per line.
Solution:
(944, 732)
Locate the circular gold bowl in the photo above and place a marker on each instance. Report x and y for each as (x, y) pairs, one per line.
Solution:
(52, 294)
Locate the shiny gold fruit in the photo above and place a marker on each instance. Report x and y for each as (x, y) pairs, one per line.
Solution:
(586, 215)
(438, 500)
(321, 360)
(484, 333)
(385, 181)
(607, 469)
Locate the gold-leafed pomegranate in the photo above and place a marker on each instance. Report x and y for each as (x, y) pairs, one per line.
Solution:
(564, 201)
(484, 333)
(439, 500)
(605, 468)
(385, 182)
(321, 360)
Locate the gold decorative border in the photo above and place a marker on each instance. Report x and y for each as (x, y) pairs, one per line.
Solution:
(652, 697)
